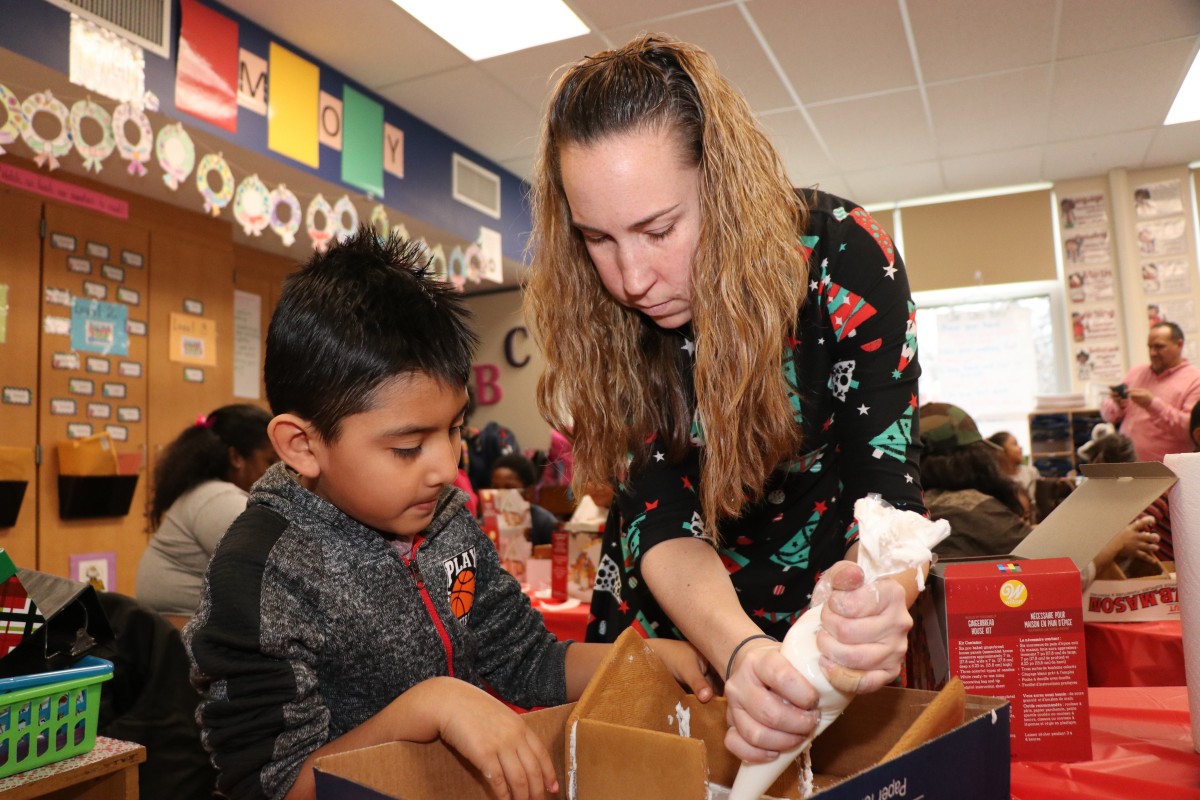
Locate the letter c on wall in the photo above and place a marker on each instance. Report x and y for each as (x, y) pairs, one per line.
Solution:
(509, 340)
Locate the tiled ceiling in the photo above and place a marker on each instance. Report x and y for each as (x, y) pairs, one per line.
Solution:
(877, 100)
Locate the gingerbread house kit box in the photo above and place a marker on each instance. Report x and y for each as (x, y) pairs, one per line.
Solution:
(635, 733)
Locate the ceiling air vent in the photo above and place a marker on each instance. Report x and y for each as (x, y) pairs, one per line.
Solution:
(476, 187)
(143, 22)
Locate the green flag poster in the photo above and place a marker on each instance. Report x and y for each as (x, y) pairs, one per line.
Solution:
(362, 142)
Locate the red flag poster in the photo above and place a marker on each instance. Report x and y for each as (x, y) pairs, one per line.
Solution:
(207, 65)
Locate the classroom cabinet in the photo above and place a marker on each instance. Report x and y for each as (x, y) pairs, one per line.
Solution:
(1055, 438)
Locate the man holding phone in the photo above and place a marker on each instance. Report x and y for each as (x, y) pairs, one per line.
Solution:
(1153, 405)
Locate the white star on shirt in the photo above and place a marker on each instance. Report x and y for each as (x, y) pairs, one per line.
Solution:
(863, 409)
(658, 456)
(689, 347)
(812, 286)
(891, 271)
(908, 478)
(821, 340)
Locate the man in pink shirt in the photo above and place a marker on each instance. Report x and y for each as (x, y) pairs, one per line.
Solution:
(1155, 408)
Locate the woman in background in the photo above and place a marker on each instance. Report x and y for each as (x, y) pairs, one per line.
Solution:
(201, 484)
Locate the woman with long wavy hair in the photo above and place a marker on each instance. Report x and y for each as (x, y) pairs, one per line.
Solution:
(739, 358)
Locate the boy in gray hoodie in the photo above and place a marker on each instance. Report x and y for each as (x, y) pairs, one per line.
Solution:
(356, 601)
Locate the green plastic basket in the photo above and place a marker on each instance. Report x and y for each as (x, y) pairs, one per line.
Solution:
(44, 719)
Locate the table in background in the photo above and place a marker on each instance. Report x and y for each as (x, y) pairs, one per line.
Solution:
(1135, 653)
(109, 771)
(1141, 748)
(564, 620)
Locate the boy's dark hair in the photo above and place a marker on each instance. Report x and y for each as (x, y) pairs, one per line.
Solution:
(201, 453)
(363, 312)
(521, 466)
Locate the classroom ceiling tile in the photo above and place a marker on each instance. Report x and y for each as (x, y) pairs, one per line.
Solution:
(607, 14)
(1102, 26)
(859, 50)
(1173, 144)
(990, 112)
(874, 132)
(531, 74)
(1081, 158)
(1010, 167)
(892, 183)
(969, 37)
(802, 154)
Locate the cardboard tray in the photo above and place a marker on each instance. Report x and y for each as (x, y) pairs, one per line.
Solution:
(623, 738)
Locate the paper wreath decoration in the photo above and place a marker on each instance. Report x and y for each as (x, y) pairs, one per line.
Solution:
(46, 151)
(341, 209)
(136, 154)
(214, 201)
(14, 118)
(320, 236)
(380, 221)
(93, 154)
(176, 154)
(252, 206)
(286, 231)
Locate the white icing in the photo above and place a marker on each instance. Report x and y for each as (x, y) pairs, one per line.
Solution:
(685, 719)
(890, 541)
(573, 767)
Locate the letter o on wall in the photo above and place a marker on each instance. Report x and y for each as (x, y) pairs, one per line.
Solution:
(510, 341)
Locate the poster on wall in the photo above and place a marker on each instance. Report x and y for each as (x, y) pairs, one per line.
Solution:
(193, 340)
(1162, 237)
(992, 357)
(1086, 248)
(98, 569)
(1166, 276)
(1158, 199)
(1100, 363)
(247, 344)
(1091, 284)
(206, 72)
(1083, 211)
(1096, 323)
(99, 327)
(1181, 311)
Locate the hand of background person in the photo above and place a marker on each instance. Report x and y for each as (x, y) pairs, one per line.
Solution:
(686, 664)
(497, 741)
(864, 630)
(1141, 397)
(1137, 540)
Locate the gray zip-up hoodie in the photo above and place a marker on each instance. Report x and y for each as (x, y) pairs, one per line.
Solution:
(310, 623)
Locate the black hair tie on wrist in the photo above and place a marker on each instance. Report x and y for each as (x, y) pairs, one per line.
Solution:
(740, 645)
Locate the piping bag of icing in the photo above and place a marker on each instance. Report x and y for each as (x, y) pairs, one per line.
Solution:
(890, 541)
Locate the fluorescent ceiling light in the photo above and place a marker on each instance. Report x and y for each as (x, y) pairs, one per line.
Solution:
(485, 28)
(1186, 107)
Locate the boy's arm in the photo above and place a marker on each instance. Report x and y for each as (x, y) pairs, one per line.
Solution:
(478, 726)
(254, 652)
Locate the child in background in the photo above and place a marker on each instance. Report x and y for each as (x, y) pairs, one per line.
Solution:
(515, 471)
(356, 601)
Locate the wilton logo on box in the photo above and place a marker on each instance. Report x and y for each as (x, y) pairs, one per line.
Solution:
(897, 788)
(1013, 593)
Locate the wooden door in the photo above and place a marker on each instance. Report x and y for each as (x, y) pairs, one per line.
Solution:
(191, 283)
(93, 379)
(20, 271)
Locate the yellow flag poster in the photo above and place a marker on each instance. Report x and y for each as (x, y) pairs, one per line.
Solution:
(193, 340)
(292, 97)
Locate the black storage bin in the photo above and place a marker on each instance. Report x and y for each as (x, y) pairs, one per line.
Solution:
(87, 496)
(11, 495)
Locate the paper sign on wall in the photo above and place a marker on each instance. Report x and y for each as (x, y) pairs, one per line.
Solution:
(393, 150)
(99, 327)
(292, 119)
(362, 143)
(330, 116)
(193, 340)
(252, 82)
(247, 344)
(206, 72)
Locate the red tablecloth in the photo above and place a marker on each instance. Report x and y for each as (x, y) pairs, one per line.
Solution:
(566, 620)
(1141, 748)
(1135, 653)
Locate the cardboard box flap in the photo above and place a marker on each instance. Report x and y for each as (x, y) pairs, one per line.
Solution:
(659, 764)
(386, 768)
(1111, 497)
